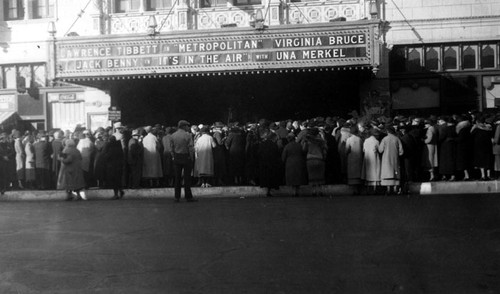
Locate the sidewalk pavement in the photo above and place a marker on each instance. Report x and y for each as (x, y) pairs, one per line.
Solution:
(426, 188)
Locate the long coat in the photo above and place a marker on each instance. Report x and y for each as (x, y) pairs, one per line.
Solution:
(87, 149)
(29, 150)
(71, 173)
(204, 158)
(371, 160)
(4, 166)
(134, 160)
(113, 157)
(219, 155)
(354, 151)
(344, 134)
(42, 154)
(482, 156)
(151, 167)
(235, 144)
(316, 150)
(391, 149)
(295, 164)
(430, 150)
(57, 148)
(20, 158)
(269, 164)
(447, 150)
(464, 146)
(99, 161)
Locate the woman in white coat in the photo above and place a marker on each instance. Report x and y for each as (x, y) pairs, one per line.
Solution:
(151, 165)
(204, 158)
(371, 161)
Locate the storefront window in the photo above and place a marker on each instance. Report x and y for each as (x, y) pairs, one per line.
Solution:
(432, 58)
(247, 2)
(158, 4)
(40, 75)
(469, 57)
(33, 75)
(9, 73)
(487, 56)
(13, 9)
(397, 59)
(43, 8)
(414, 59)
(127, 5)
(450, 58)
(25, 72)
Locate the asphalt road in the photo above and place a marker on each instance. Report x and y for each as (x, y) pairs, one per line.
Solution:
(434, 244)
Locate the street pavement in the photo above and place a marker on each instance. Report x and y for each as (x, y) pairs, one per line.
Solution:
(362, 244)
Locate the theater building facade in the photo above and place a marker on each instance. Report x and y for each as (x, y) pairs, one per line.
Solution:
(158, 61)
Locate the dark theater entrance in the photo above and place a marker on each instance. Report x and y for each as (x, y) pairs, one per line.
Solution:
(243, 97)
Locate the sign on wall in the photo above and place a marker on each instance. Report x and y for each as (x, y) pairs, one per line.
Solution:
(7, 102)
(243, 51)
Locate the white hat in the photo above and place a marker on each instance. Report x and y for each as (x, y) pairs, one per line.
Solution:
(118, 125)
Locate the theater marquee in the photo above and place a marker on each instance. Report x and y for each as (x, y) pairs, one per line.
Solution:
(319, 46)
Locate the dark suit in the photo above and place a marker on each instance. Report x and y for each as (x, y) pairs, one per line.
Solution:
(43, 163)
(183, 152)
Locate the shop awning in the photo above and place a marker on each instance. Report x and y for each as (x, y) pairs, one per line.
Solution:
(8, 117)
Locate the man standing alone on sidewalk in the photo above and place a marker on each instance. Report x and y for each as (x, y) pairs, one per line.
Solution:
(183, 155)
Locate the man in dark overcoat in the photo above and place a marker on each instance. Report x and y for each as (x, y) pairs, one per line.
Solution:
(4, 163)
(43, 151)
(182, 147)
(135, 159)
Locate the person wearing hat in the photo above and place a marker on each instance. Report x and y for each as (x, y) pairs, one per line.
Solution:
(391, 149)
(496, 146)
(29, 150)
(87, 149)
(102, 139)
(43, 151)
(57, 147)
(113, 157)
(119, 130)
(464, 146)
(135, 159)
(430, 150)
(354, 151)
(151, 165)
(4, 163)
(344, 134)
(219, 154)
(315, 149)
(269, 165)
(71, 174)
(235, 145)
(371, 161)
(482, 147)
(204, 159)
(182, 147)
(447, 148)
(20, 158)
(294, 158)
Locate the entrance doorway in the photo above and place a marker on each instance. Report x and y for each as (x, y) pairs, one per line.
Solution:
(241, 97)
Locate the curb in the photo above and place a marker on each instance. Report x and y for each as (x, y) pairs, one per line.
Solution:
(425, 188)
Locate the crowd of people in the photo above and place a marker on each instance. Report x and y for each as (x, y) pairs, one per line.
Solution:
(374, 156)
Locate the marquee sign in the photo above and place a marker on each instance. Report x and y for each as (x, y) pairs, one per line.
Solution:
(326, 46)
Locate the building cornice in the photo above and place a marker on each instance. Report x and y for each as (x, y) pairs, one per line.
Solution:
(431, 21)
